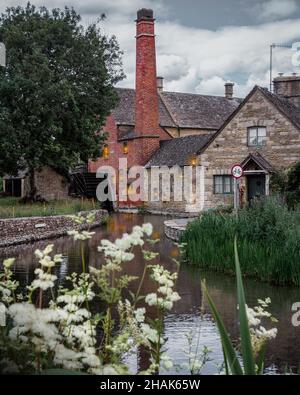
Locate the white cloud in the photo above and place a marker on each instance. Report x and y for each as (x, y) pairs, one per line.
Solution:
(273, 9)
(211, 86)
(194, 59)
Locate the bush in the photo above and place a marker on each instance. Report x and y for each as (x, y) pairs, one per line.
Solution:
(269, 242)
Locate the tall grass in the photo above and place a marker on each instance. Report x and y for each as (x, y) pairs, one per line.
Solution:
(12, 208)
(269, 242)
(231, 360)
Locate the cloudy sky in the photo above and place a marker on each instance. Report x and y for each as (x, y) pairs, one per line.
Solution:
(201, 44)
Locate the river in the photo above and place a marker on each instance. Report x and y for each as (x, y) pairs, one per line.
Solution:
(185, 318)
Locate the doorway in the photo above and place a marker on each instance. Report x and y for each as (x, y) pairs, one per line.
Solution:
(256, 186)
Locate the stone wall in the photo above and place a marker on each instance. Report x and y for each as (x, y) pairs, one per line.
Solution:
(282, 148)
(49, 184)
(27, 230)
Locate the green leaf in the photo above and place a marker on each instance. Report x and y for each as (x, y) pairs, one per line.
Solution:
(246, 346)
(260, 360)
(230, 354)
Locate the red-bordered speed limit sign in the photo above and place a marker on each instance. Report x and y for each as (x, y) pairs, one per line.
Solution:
(237, 171)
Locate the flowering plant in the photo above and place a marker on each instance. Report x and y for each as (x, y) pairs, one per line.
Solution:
(45, 327)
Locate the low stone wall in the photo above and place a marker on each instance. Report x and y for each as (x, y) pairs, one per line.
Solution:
(27, 230)
(175, 228)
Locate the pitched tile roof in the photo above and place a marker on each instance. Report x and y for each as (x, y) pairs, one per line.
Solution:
(259, 160)
(284, 105)
(182, 110)
(124, 113)
(178, 151)
(201, 111)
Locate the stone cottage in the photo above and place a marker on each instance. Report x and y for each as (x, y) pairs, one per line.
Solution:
(262, 135)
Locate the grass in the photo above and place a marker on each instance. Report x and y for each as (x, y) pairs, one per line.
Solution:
(269, 242)
(232, 364)
(12, 208)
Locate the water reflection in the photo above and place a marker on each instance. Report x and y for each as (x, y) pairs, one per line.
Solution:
(185, 317)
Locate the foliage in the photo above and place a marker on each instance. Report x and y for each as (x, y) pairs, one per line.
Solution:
(253, 335)
(269, 242)
(287, 183)
(12, 208)
(45, 329)
(56, 90)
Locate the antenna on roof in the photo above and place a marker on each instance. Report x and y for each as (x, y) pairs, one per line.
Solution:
(273, 46)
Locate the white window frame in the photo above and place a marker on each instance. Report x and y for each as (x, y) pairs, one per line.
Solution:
(261, 140)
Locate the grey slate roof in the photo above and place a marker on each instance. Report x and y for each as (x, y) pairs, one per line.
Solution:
(201, 111)
(260, 160)
(178, 151)
(182, 110)
(125, 111)
(284, 105)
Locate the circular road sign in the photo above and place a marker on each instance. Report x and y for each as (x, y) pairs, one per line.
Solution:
(237, 171)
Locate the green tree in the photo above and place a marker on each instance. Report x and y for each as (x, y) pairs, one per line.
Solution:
(56, 90)
(287, 183)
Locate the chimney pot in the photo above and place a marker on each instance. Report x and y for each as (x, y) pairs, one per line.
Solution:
(160, 84)
(144, 14)
(229, 90)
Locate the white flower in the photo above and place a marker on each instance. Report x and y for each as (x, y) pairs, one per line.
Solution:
(266, 334)
(148, 229)
(149, 333)
(140, 314)
(166, 362)
(84, 235)
(8, 262)
(151, 299)
(44, 280)
(2, 315)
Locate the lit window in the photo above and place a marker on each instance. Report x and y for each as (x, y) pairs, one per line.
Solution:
(223, 185)
(257, 136)
(194, 161)
(105, 151)
(125, 148)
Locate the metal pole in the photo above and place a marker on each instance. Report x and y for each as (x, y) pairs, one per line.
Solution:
(235, 195)
(271, 66)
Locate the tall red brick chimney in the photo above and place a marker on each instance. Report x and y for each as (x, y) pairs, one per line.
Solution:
(146, 97)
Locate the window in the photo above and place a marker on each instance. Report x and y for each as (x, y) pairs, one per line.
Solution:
(223, 185)
(105, 151)
(257, 136)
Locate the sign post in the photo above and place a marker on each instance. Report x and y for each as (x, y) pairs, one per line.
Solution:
(237, 173)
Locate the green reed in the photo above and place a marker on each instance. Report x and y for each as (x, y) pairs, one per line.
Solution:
(269, 242)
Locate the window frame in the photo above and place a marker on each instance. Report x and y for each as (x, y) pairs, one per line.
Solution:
(224, 177)
(257, 136)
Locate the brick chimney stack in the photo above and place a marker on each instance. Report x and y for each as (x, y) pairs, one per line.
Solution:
(146, 108)
(229, 90)
(288, 86)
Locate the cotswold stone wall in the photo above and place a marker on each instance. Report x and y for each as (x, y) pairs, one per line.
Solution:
(27, 230)
(49, 184)
(281, 150)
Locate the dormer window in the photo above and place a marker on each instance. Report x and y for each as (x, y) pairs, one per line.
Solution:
(257, 136)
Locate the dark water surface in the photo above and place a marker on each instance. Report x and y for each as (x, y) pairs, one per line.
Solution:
(185, 317)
